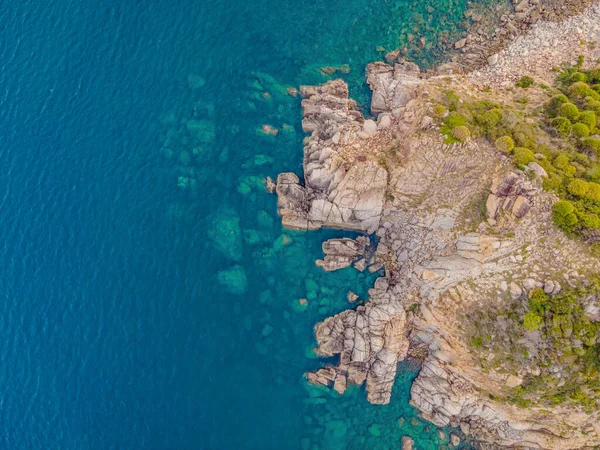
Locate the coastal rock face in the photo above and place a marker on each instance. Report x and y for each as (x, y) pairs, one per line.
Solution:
(459, 230)
(338, 192)
(370, 341)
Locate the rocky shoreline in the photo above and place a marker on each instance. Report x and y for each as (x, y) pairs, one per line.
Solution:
(440, 255)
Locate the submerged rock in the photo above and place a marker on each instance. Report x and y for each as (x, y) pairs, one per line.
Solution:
(233, 280)
(226, 234)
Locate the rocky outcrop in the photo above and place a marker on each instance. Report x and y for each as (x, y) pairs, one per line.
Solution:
(393, 87)
(443, 254)
(337, 192)
(341, 253)
(512, 194)
(370, 340)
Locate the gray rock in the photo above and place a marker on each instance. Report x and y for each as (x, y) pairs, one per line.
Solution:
(370, 127)
(407, 443)
(455, 440)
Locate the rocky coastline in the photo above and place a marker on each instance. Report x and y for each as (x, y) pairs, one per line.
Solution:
(459, 230)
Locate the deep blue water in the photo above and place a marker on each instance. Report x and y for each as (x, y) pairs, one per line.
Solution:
(115, 331)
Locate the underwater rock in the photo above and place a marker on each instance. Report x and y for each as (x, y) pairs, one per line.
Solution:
(233, 280)
(195, 81)
(407, 443)
(203, 130)
(226, 234)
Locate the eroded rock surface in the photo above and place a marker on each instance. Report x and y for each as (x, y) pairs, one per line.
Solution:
(337, 192)
(370, 340)
(341, 253)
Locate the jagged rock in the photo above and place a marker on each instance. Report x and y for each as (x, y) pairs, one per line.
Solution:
(341, 253)
(370, 341)
(334, 194)
(392, 87)
(510, 193)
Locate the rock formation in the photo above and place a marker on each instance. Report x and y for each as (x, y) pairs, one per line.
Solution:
(341, 253)
(336, 193)
(458, 228)
(370, 341)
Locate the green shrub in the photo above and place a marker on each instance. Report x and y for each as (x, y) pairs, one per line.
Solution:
(505, 144)
(489, 119)
(561, 162)
(578, 76)
(563, 214)
(569, 111)
(588, 118)
(532, 322)
(562, 126)
(594, 75)
(525, 82)
(461, 133)
(593, 191)
(454, 120)
(555, 102)
(580, 130)
(537, 301)
(523, 156)
(594, 106)
(592, 145)
(578, 187)
(439, 110)
(579, 90)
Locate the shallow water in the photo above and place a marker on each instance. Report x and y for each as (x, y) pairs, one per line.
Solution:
(129, 146)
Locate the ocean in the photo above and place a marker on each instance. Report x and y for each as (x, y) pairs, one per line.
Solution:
(149, 297)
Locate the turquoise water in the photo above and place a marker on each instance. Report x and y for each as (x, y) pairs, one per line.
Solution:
(130, 167)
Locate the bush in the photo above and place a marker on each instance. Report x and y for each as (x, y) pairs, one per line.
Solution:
(505, 144)
(562, 126)
(580, 130)
(578, 76)
(489, 119)
(594, 75)
(578, 187)
(579, 90)
(439, 110)
(569, 111)
(537, 301)
(454, 120)
(588, 118)
(592, 144)
(523, 156)
(594, 106)
(556, 102)
(525, 82)
(461, 133)
(532, 322)
(564, 215)
(561, 162)
(593, 191)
